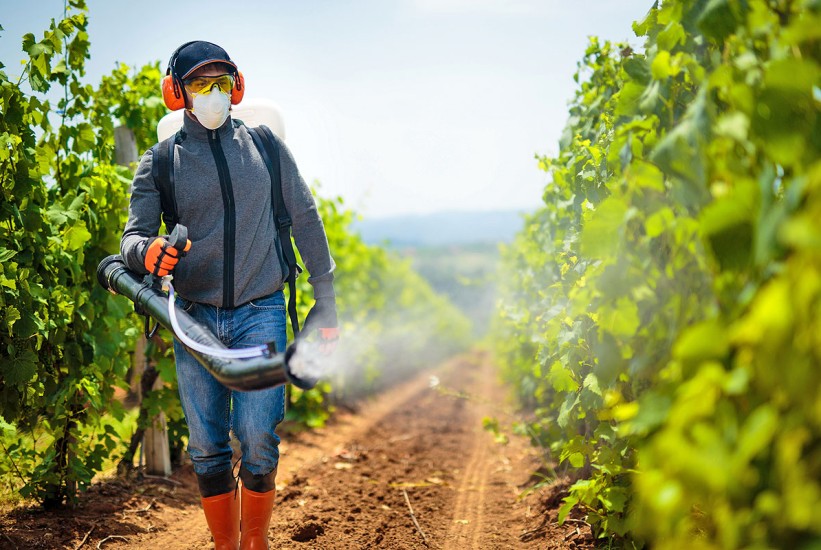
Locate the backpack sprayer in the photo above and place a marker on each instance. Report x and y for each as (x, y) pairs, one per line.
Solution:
(240, 369)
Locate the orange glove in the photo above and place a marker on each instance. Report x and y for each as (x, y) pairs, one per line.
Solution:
(328, 338)
(161, 258)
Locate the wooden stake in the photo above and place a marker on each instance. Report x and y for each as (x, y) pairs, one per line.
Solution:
(155, 443)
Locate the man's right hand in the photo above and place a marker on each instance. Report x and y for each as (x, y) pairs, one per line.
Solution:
(322, 317)
(161, 258)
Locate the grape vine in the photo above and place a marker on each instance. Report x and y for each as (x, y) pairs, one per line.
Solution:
(664, 315)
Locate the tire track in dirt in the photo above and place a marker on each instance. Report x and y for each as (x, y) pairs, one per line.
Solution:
(468, 523)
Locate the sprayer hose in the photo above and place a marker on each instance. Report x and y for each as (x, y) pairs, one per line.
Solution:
(244, 353)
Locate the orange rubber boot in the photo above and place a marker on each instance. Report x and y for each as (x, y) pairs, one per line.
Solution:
(256, 516)
(222, 515)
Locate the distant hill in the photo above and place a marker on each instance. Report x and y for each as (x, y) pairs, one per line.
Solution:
(441, 228)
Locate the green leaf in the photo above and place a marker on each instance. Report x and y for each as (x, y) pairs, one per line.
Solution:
(717, 20)
(658, 222)
(614, 498)
(649, 100)
(770, 316)
(568, 504)
(59, 69)
(680, 152)
(734, 125)
(19, 369)
(66, 26)
(672, 35)
(801, 231)
(728, 224)
(76, 236)
(662, 67)
(621, 318)
(8, 283)
(591, 383)
(28, 325)
(6, 254)
(566, 409)
(39, 81)
(576, 459)
(701, 342)
(638, 69)
(629, 98)
(77, 203)
(85, 139)
(57, 215)
(786, 110)
(28, 43)
(55, 40)
(40, 62)
(608, 359)
(643, 174)
(12, 316)
(653, 408)
(757, 433)
(642, 27)
(561, 378)
(79, 20)
(601, 233)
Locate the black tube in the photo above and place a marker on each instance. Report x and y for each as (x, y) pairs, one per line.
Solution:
(240, 374)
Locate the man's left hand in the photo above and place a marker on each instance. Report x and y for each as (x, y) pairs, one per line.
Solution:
(322, 318)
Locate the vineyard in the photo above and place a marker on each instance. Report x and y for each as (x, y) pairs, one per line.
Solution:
(664, 318)
(659, 319)
(67, 343)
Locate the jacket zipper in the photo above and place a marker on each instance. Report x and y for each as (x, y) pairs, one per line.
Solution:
(230, 224)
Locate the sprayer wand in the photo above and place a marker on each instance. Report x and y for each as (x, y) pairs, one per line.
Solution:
(241, 369)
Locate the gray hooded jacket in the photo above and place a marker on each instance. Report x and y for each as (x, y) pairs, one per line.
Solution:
(223, 195)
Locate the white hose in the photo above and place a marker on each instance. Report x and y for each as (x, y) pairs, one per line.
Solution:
(244, 353)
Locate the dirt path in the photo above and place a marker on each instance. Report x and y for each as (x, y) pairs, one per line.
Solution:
(353, 484)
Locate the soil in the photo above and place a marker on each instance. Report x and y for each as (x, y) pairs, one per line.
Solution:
(415, 452)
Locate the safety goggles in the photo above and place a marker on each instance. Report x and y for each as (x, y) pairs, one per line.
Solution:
(204, 84)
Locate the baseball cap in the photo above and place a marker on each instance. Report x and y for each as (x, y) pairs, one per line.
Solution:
(193, 55)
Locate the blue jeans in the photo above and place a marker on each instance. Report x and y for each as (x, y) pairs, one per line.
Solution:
(212, 410)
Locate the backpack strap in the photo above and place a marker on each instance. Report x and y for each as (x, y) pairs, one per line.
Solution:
(162, 169)
(269, 150)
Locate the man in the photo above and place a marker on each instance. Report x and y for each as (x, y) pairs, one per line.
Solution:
(230, 280)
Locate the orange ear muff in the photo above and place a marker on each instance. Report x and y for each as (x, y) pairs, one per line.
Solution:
(239, 89)
(172, 95)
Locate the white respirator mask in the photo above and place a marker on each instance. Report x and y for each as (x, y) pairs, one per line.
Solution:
(211, 109)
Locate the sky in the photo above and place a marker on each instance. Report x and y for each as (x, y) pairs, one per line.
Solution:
(397, 106)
